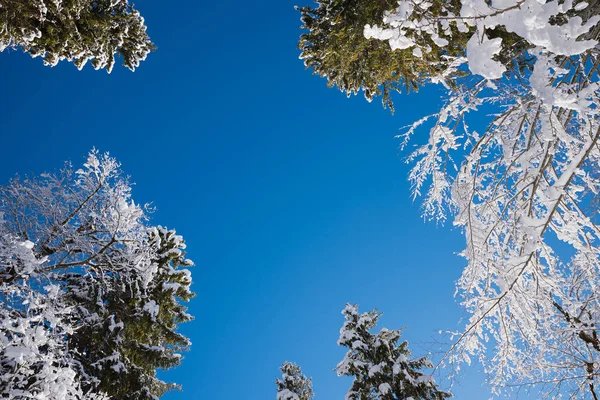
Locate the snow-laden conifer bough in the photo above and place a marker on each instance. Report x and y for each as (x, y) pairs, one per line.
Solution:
(525, 189)
(381, 367)
(78, 31)
(90, 292)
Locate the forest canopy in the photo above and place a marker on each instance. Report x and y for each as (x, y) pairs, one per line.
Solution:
(523, 190)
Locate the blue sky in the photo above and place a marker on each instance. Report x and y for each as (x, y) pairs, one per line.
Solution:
(292, 198)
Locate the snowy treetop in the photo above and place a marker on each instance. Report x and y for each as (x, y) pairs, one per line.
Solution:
(89, 290)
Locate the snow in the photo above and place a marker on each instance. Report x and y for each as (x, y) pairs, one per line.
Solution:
(384, 388)
(174, 286)
(395, 37)
(17, 353)
(287, 394)
(151, 308)
(38, 313)
(529, 19)
(480, 51)
(376, 369)
(517, 188)
(544, 71)
(115, 325)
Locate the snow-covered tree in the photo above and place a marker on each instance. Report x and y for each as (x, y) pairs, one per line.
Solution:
(426, 40)
(527, 183)
(523, 185)
(381, 366)
(76, 30)
(90, 293)
(293, 385)
(334, 47)
(123, 354)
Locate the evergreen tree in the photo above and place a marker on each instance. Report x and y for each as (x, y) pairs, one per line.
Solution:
(90, 294)
(76, 30)
(123, 340)
(334, 46)
(522, 189)
(382, 368)
(385, 46)
(293, 385)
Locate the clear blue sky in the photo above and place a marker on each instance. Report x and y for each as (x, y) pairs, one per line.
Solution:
(292, 198)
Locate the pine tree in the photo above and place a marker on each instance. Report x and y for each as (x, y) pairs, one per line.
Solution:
(382, 368)
(293, 385)
(76, 30)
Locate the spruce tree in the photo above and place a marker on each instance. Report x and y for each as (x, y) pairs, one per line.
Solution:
(90, 294)
(334, 47)
(76, 30)
(122, 341)
(293, 385)
(382, 368)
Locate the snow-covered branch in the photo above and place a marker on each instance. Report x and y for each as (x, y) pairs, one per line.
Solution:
(90, 294)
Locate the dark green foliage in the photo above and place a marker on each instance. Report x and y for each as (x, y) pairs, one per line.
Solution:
(76, 30)
(334, 47)
(382, 368)
(122, 340)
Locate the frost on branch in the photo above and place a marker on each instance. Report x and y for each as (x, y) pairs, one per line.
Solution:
(523, 193)
(90, 293)
(523, 186)
(522, 183)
